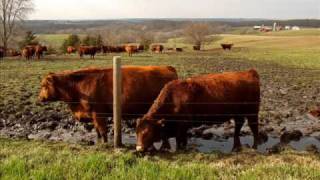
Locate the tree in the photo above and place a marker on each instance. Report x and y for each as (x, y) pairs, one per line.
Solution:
(99, 41)
(72, 40)
(12, 12)
(29, 39)
(197, 33)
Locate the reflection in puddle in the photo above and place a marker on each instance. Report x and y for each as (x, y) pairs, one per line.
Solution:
(225, 145)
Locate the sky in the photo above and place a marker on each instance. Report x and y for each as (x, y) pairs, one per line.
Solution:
(121, 9)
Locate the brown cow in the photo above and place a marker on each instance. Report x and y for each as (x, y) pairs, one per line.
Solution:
(209, 99)
(179, 50)
(197, 48)
(130, 49)
(88, 92)
(226, 46)
(88, 50)
(157, 48)
(39, 50)
(28, 52)
(71, 49)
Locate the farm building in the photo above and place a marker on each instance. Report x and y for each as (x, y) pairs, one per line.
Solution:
(296, 28)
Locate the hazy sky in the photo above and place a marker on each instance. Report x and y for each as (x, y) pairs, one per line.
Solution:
(113, 9)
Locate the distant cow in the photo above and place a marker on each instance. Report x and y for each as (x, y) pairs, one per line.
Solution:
(2, 52)
(71, 49)
(197, 48)
(39, 50)
(226, 46)
(208, 99)
(140, 47)
(130, 49)
(28, 52)
(179, 49)
(87, 50)
(158, 48)
(88, 92)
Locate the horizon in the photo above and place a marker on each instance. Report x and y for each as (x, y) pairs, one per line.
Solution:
(173, 18)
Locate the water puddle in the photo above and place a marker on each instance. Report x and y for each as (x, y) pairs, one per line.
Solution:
(225, 145)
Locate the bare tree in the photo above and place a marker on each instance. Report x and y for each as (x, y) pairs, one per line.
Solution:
(12, 12)
(197, 33)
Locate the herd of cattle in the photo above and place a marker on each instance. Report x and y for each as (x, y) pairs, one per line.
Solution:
(38, 51)
(167, 106)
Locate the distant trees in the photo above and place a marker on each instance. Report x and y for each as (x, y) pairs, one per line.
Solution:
(29, 39)
(197, 33)
(92, 40)
(11, 12)
(72, 40)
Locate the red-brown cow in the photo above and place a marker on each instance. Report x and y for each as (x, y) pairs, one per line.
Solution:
(39, 50)
(28, 52)
(89, 92)
(209, 99)
(71, 49)
(130, 49)
(157, 48)
(88, 50)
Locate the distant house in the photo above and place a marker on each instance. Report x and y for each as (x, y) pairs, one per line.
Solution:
(296, 28)
(256, 27)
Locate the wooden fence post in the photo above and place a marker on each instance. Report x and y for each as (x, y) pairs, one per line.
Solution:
(117, 88)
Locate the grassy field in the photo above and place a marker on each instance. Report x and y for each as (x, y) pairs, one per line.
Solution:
(42, 160)
(282, 61)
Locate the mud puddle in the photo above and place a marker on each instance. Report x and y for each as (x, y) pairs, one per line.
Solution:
(225, 145)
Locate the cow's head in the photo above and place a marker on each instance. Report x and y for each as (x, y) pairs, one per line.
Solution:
(48, 90)
(148, 132)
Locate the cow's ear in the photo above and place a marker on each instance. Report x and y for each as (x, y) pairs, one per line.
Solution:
(160, 122)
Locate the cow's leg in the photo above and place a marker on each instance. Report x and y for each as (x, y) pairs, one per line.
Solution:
(182, 137)
(165, 144)
(238, 125)
(99, 137)
(254, 126)
(101, 127)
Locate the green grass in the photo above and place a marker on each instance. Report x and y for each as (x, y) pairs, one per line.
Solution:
(41, 160)
(53, 40)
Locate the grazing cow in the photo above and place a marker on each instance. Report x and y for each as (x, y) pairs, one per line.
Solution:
(71, 49)
(130, 49)
(89, 92)
(140, 47)
(106, 49)
(208, 99)
(87, 50)
(197, 48)
(39, 50)
(157, 48)
(28, 52)
(179, 49)
(226, 46)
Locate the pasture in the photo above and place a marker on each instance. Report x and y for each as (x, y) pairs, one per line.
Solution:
(289, 67)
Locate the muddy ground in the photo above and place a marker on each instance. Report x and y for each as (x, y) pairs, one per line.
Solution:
(288, 94)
